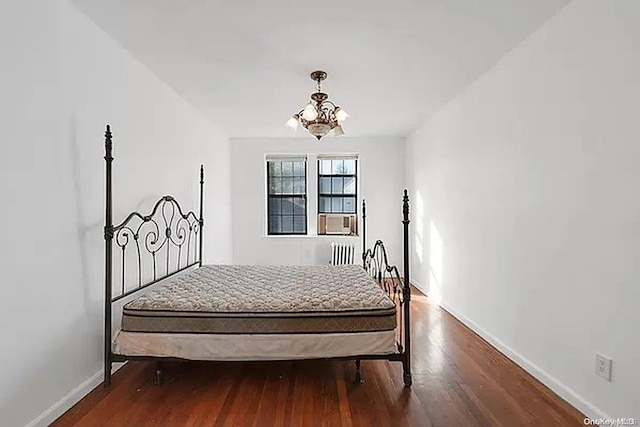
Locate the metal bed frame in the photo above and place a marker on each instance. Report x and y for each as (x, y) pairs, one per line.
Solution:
(171, 241)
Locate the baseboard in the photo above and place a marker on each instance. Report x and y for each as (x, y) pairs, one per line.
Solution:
(566, 393)
(419, 286)
(54, 411)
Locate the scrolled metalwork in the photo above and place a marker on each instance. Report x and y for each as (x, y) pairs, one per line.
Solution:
(376, 263)
(166, 238)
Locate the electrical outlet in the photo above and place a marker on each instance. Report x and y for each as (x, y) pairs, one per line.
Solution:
(603, 367)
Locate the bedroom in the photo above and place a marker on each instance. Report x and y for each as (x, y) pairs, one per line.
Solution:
(511, 124)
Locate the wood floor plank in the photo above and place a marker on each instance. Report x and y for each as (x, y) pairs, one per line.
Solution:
(459, 380)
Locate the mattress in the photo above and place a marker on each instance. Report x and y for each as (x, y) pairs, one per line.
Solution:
(232, 299)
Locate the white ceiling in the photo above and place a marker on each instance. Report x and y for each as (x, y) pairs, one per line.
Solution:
(391, 64)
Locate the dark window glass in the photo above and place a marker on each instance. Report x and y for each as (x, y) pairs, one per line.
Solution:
(338, 167)
(349, 204)
(350, 185)
(274, 224)
(337, 185)
(350, 167)
(287, 168)
(325, 204)
(325, 185)
(287, 196)
(299, 224)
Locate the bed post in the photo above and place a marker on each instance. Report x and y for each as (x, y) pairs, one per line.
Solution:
(201, 220)
(364, 233)
(108, 238)
(406, 362)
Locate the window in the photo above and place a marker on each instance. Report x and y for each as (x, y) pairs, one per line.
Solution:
(337, 185)
(337, 190)
(286, 195)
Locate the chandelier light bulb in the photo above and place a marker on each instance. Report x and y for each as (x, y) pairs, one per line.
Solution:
(338, 131)
(292, 122)
(309, 112)
(341, 115)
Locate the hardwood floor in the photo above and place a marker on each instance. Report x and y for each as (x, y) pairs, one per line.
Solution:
(459, 380)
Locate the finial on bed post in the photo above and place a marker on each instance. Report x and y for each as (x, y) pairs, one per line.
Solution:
(108, 238)
(364, 233)
(201, 212)
(108, 144)
(406, 292)
(405, 223)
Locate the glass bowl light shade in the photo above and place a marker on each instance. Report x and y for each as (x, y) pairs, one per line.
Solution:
(310, 112)
(319, 129)
(341, 115)
(292, 122)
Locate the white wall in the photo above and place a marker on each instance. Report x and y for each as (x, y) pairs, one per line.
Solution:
(530, 177)
(380, 183)
(62, 80)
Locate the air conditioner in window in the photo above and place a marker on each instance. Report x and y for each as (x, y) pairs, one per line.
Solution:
(344, 224)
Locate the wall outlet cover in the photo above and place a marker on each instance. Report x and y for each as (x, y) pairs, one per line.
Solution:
(603, 366)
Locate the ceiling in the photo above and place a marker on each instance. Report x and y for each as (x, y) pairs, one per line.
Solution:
(391, 64)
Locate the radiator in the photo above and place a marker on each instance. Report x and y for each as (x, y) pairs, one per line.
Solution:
(342, 253)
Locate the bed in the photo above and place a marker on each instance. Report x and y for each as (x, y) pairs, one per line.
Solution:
(243, 312)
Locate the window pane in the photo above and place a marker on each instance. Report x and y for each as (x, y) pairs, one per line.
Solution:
(350, 205)
(325, 167)
(276, 186)
(274, 205)
(350, 167)
(287, 224)
(325, 205)
(325, 185)
(298, 169)
(349, 186)
(336, 185)
(274, 224)
(338, 167)
(274, 168)
(287, 206)
(298, 206)
(299, 186)
(287, 168)
(287, 185)
(299, 224)
(336, 204)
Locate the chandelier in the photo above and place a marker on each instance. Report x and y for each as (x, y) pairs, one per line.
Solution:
(320, 116)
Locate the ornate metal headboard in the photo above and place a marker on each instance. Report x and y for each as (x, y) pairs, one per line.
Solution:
(166, 240)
